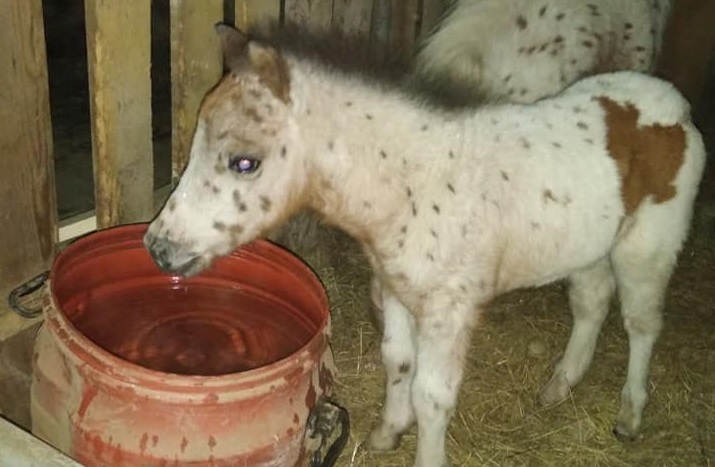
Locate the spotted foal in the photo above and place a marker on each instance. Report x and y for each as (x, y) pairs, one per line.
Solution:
(452, 208)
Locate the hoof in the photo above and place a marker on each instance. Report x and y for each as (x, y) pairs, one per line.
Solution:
(381, 439)
(624, 436)
(555, 391)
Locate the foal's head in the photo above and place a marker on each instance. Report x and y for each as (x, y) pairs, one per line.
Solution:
(244, 174)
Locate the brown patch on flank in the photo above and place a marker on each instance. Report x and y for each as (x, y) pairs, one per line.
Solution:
(404, 368)
(220, 226)
(648, 157)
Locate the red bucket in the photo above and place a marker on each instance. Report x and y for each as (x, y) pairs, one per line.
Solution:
(134, 367)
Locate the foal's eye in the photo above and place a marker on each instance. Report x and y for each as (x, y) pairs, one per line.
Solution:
(243, 164)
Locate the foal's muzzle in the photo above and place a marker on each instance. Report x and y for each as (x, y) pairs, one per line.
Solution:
(172, 257)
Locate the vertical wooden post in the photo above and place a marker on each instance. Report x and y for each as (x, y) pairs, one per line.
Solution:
(254, 15)
(314, 15)
(403, 26)
(687, 48)
(352, 17)
(394, 27)
(432, 11)
(28, 207)
(195, 67)
(118, 55)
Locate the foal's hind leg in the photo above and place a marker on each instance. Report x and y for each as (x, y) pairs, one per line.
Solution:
(643, 261)
(590, 293)
(398, 357)
(642, 279)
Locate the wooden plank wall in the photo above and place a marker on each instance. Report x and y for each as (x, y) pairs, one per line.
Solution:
(250, 15)
(28, 210)
(195, 67)
(119, 64)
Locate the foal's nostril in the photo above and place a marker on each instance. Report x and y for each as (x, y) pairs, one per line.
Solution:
(160, 250)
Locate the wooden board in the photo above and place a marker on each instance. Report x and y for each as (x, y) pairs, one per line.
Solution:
(403, 26)
(118, 55)
(252, 15)
(432, 11)
(195, 68)
(28, 209)
(688, 46)
(352, 17)
(315, 16)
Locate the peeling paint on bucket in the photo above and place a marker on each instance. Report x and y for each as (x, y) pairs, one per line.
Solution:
(134, 367)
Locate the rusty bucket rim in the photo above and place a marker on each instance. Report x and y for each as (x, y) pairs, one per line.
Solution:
(103, 362)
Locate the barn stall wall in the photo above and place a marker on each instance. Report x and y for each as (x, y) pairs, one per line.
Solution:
(118, 37)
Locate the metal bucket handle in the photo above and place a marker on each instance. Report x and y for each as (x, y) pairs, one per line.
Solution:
(323, 420)
(23, 290)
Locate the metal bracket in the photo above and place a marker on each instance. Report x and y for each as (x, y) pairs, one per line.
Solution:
(325, 417)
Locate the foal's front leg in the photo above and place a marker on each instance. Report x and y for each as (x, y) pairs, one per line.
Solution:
(398, 357)
(442, 342)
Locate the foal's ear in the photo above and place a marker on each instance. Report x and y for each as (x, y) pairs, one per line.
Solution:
(268, 63)
(240, 53)
(233, 45)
